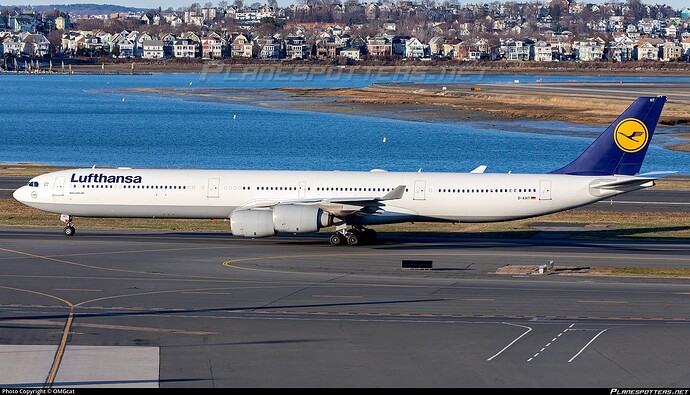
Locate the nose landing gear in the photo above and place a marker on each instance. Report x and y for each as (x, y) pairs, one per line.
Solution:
(69, 230)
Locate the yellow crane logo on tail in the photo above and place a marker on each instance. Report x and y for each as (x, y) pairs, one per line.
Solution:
(631, 135)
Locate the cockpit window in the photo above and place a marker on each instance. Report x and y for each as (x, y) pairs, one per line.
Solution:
(33, 183)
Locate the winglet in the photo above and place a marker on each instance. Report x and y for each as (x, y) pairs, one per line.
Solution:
(395, 194)
(479, 169)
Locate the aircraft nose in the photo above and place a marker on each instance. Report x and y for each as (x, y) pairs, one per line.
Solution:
(18, 194)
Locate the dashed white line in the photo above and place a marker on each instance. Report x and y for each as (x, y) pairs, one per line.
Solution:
(548, 344)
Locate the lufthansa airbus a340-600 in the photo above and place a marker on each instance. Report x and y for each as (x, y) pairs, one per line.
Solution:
(263, 203)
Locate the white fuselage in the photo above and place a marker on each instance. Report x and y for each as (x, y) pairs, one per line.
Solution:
(172, 193)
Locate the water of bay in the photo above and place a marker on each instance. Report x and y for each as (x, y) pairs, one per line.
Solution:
(82, 120)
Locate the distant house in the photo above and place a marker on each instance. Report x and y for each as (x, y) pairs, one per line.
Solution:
(685, 45)
(36, 45)
(12, 46)
(185, 48)
(63, 22)
(645, 50)
(670, 51)
(515, 49)
(541, 52)
(436, 46)
(126, 47)
(269, 47)
(415, 48)
(452, 49)
(350, 53)
(153, 49)
(621, 49)
(379, 46)
(590, 50)
(398, 43)
(296, 47)
(241, 47)
(211, 47)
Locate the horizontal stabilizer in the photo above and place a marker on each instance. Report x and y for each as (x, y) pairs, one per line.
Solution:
(640, 180)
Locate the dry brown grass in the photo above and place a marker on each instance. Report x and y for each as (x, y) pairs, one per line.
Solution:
(630, 225)
(500, 101)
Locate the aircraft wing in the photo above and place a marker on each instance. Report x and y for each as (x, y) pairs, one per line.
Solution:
(337, 205)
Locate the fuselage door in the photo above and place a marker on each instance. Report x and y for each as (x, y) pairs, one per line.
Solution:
(58, 188)
(545, 190)
(420, 190)
(302, 189)
(213, 187)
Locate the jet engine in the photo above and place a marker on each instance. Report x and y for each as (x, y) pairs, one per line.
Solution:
(292, 218)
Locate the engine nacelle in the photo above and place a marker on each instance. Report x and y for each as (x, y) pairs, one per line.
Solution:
(296, 218)
(252, 223)
(292, 218)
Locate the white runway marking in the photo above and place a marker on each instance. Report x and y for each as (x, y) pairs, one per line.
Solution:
(511, 343)
(548, 344)
(586, 345)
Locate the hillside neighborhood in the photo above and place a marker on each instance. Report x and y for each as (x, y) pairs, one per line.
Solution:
(350, 32)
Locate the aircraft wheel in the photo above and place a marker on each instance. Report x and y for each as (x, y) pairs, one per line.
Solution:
(336, 239)
(352, 239)
(69, 231)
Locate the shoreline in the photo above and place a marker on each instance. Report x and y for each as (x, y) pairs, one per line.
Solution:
(143, 66)
(592, 104)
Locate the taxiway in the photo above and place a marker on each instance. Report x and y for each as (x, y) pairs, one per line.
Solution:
(119, 309)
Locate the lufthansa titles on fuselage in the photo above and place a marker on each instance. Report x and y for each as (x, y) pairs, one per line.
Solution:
(104, 178)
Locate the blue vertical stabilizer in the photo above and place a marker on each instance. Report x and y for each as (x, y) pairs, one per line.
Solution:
(623, 145)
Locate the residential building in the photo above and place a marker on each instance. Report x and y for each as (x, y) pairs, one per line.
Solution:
(185, 48)
(415, 48)
(241, 47)
(36, 45)
(511, 49)
(379, 47)
(670, 52)
(153, 49)
(350, 53)
(211, 47)
(296, 47)
(590, 50)
(12, 46)
(126, 47)
(269, 47)
(646, 50)
(541, 52)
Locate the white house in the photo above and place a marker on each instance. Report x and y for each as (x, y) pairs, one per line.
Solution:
(541, 52)
(415, 49)
(185, 48)
(152, 49)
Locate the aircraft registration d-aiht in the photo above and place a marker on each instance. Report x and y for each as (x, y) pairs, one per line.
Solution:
(263, 203)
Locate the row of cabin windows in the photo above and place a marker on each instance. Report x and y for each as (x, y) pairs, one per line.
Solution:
(490, 190)
(110, 186)
(331, 189)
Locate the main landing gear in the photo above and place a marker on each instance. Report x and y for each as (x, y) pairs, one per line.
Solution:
(357, 235)
(69, 229)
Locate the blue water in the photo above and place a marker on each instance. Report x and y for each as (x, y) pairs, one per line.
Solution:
(77, 120)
